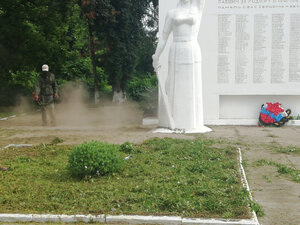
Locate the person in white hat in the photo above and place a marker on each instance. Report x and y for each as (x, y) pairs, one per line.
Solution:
(46, 92)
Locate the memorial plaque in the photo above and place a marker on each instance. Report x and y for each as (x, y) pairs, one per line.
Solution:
(251, 55)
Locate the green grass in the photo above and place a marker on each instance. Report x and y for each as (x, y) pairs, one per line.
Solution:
(272, 136)
(282, 169)
(287, 149)
(164, 177)
(257, 209)
(268, 180)
(296, 117)
(5, 114)
(275, 146)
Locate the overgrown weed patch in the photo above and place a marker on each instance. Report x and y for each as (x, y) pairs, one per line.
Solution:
(282, 169)
(188, 178)
(287, 149)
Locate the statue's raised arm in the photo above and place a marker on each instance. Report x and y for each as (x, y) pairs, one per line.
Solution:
(199, 4)
(163, 39)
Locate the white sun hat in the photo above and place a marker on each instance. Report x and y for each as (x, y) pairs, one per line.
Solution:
(45, 67)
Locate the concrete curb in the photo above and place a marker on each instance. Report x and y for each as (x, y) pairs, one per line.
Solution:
(218, 222)
(7, 118)
(134, 219)
(43, 218)
(245, 183)
(172, 220)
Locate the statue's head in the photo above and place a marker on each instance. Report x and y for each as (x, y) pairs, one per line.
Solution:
(184, 1)
(192, 3)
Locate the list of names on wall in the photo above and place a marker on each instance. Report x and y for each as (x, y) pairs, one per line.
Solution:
(278, 48)
(294, 48)
(260, 57)
(258, 41)
(242, 38)
(224, 36)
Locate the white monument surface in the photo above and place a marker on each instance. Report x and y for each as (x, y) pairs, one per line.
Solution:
(181, 96)
(250, 56)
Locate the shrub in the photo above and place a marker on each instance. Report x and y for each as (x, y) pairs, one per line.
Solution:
(127, 147)
(137, 86)
(94, 159)
(56, 141)
(144, 90)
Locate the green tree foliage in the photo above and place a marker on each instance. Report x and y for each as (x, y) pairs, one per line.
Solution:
(143, 89)
(62, 34)
(35, 32)
(90, 8)
(148, 40)
(123, 35)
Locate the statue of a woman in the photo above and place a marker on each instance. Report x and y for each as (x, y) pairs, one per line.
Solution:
(183, 86)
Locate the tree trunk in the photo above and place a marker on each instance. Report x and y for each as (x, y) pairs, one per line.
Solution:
(92, 47)
(119, 95)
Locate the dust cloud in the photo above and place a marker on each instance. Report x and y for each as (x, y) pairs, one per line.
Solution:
(76, 110)
(23, 104)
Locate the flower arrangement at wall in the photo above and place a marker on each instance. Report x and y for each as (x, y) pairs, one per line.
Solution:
(273, 114)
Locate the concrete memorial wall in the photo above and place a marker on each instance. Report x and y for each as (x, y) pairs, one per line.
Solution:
(250, 55)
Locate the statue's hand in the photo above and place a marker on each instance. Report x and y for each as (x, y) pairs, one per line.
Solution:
(155, 63)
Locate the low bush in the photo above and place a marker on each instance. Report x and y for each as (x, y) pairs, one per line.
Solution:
(94, 159)
(144, 91)
(138, 86)
(127, 147)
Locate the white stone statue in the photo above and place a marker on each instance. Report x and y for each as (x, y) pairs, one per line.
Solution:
(181, 95)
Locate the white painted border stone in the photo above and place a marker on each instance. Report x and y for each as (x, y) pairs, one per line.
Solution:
(43, 218)
(18, 145)
(245, 183)
(217, 222)
(6, 118)
(145, 219)
(15, 218)
(172, 220)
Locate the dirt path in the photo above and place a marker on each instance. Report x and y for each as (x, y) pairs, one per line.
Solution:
(278, 195)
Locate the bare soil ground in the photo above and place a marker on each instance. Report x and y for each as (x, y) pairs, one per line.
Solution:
(278, 195)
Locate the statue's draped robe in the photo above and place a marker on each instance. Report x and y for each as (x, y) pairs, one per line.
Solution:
(184, 80)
